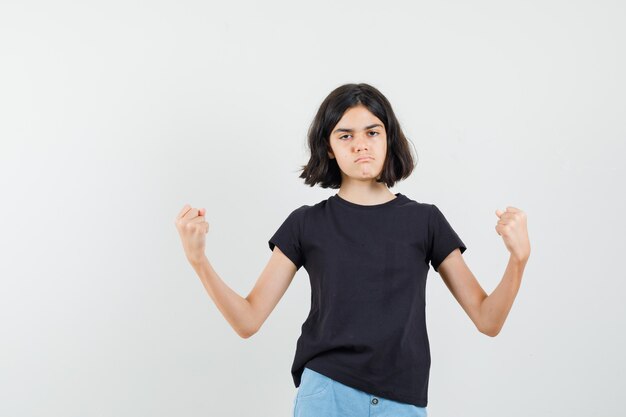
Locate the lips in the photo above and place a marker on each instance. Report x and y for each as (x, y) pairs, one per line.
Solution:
(361, 158)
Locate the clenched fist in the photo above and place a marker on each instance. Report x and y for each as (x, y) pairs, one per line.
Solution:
(192, 228)
(514, 231)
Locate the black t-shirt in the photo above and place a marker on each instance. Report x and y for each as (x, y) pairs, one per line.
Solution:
(367, 266)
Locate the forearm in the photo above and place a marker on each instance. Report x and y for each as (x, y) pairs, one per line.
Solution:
(495, 308)
(235, 308)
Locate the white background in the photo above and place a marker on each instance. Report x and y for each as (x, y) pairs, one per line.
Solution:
(115, 114)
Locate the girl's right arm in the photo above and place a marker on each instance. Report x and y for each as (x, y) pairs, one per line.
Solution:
(245, 315)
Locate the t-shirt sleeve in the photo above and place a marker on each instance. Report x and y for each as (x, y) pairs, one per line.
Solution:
(442, 238)
(288, 237)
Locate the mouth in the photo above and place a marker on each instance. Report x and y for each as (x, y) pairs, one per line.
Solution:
(364, 159)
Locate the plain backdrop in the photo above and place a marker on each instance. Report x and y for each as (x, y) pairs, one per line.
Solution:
(115, 114)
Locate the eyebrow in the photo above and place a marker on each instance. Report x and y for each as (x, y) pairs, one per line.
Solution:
(352, 130)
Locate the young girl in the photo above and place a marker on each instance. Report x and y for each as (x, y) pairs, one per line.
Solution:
(364, 348)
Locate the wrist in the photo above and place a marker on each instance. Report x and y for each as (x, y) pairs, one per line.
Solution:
(197, 261)
(519, 260)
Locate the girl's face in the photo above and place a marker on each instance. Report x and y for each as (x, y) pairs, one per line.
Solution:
(359, 134)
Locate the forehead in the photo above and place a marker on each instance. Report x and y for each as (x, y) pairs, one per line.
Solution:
(358, 117)
(359, 112)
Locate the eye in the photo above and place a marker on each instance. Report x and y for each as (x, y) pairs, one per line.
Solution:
(371, 131)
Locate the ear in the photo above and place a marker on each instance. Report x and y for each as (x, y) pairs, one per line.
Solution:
(331, 155)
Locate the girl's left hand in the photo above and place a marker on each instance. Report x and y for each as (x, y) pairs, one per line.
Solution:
(512, 227)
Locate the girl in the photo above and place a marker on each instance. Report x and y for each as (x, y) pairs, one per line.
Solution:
(364, 348)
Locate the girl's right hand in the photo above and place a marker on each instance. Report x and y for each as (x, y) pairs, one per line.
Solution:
(192, 229)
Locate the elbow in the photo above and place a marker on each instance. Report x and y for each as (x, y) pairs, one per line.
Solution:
(487, 329)
(491, 332)
(249, 326)
(246, 333)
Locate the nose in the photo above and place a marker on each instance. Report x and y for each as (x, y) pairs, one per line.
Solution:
(360, 143)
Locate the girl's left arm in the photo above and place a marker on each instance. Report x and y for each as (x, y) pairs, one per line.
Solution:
(489, 312)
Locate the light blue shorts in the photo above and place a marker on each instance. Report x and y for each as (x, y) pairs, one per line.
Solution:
(321, 396)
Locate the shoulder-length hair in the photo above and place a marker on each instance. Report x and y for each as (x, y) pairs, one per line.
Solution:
(324, 170)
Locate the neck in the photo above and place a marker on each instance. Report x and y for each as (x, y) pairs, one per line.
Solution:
(365, 193)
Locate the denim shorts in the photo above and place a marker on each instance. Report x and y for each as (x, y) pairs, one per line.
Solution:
(321, 396)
